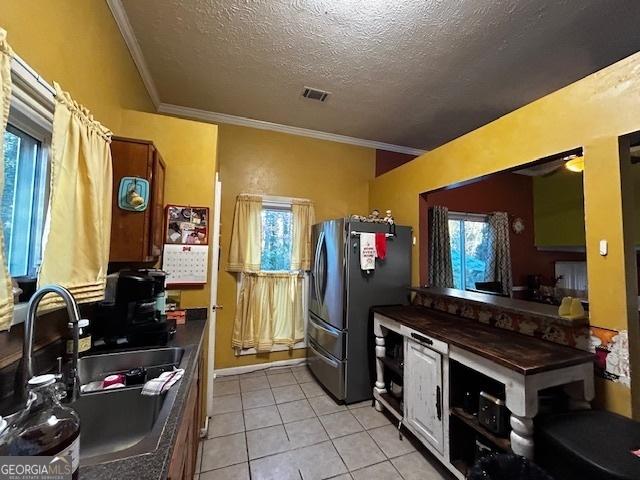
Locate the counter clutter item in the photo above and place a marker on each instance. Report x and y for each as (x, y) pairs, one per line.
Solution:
(163, 383)
(571, 308)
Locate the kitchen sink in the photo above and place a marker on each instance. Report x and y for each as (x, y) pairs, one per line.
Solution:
(122, 422)
(155, 360)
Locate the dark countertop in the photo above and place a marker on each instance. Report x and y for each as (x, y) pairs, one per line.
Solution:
(155, 464)
(520, 353)
(504, 303)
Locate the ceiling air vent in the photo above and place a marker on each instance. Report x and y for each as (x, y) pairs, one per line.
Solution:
(314, 94)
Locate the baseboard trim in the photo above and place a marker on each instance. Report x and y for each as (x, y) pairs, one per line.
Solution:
(294, 362)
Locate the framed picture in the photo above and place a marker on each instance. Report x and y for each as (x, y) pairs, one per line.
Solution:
(187, 225)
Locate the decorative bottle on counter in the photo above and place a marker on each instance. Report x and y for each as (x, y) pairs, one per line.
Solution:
(44, 427)
(84, 339)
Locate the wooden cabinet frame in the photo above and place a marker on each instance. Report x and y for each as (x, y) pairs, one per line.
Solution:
(137, 237)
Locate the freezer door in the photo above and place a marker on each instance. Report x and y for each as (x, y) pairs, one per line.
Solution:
(328, 370)
(386, 285)
(330, 339)
(326, 298)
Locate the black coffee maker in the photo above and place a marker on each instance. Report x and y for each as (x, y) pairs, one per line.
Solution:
(128, 316)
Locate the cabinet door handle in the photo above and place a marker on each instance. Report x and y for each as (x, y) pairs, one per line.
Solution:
(422, 339)
(438, 403)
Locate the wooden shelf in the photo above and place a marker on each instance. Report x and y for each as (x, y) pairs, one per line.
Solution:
(462, 466)
(394, 365)
(472, 421)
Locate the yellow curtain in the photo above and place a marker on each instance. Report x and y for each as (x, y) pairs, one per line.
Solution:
(269, 311)
(246, 235)
(6, 293)
(76, 252)
(303, 216)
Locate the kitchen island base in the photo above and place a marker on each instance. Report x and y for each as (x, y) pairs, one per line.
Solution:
(437, 365)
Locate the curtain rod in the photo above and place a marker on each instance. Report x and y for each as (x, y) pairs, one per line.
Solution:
(20, 67)
(275, 199)
(469, 214)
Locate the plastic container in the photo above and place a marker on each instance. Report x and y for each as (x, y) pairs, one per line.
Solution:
(44, 427)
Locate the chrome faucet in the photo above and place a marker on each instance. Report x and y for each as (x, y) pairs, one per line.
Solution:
(71, 381)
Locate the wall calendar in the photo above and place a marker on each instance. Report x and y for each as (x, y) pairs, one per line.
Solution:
(185, 264)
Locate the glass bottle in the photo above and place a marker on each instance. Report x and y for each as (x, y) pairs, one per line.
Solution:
(44, 427)
(84, 339)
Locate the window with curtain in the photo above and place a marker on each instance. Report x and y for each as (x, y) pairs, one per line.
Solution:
(270, 249)
(470, 249)
(55, 187)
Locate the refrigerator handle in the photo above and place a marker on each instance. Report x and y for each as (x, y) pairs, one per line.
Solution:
(316, 268)
(321, 283)
(324, 358)
(315, 324)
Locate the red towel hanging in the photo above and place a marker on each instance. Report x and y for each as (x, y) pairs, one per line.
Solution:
(381, 245)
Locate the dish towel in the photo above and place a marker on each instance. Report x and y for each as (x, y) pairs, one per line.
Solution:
(367, 251)
(163, 383)
(381, 245)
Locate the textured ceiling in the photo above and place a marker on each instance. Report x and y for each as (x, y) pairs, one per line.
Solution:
(415, 72)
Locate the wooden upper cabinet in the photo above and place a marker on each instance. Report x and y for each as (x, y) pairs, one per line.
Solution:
(137, 236)
(157, 204)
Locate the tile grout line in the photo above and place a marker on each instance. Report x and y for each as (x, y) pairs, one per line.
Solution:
(334, 447)
(316, 416)
(246, 439)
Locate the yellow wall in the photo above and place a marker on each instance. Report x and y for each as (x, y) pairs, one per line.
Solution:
(335, 176)
(558, 209)
(591, 113)
(77, 44)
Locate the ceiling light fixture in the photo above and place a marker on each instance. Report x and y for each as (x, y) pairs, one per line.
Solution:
(574, 163)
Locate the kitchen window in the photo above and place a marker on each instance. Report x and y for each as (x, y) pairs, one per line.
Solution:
(470, 249)
(276, 239)
(24, 198)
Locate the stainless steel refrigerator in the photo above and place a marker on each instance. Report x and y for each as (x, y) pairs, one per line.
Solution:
(340, 297)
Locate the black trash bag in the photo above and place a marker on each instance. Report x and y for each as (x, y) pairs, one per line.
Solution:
(506, 467)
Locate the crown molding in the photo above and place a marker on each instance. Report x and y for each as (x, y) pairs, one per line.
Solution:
(215, 117)
(122, 20)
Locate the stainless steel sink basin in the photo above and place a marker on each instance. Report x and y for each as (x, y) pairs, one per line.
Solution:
(156, 360)
(120, 423)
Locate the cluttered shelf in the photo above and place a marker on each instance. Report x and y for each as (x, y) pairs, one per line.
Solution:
(472, 422)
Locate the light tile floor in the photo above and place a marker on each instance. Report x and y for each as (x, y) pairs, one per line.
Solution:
(279, 424)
